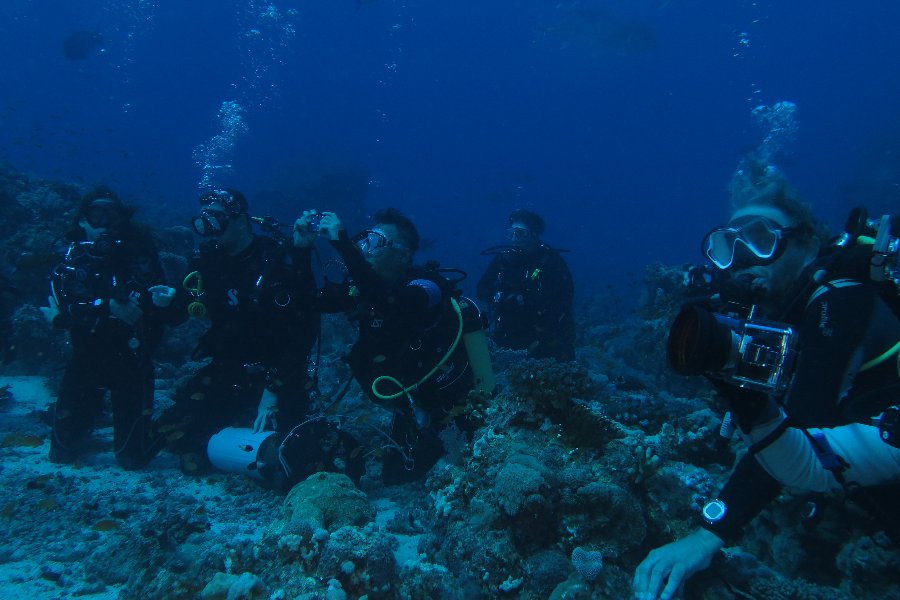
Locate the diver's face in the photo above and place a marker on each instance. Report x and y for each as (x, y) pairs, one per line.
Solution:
(522, 238)
(778, 276)
(389, 261)
(217, 210)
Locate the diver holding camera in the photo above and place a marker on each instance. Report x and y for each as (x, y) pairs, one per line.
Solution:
(801, 341)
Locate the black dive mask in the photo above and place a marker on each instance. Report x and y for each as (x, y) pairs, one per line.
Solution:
(210, 223)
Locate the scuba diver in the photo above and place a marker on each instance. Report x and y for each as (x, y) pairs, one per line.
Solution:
(255, 290)
(108, 294)
(421, 346)
(529, 289)
(802, 344)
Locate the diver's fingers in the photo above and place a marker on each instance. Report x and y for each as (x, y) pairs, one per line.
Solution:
(657, 579)
(676, 581)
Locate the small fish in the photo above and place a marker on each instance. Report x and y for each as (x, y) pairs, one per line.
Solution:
(31, 441)
(533, 345)
(167, 428)
(213, 480)
(63, 414)
(378, 452)
(332, 409)
(353, 454)
(106, 525)
(8, 511)
(379, 358)
(309, 384)
(120, 514)
(322, 476)
(48, 504)
(362, 418)
(175, 436)
(454, 412)
(147, 411)
(200, 510)
(198, 396)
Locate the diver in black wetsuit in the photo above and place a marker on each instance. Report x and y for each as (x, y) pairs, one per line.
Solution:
(256, 291)
(421, 346)
(108, 293)
(846, 374)
(529, 289)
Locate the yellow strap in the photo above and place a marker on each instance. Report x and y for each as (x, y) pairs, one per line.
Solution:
(406, 391)
(193, 290)
(880, 359)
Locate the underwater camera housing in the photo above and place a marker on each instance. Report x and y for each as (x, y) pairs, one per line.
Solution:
(748, 352)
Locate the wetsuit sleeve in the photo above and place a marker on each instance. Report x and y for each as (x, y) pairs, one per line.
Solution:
(832, 332)
(486, 287)
(73, 314)
(833, 328)
(330, 298)
(748, 491)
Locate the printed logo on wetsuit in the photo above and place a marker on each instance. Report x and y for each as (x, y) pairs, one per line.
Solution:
(232, 297)
(823, 320)
(377, 322)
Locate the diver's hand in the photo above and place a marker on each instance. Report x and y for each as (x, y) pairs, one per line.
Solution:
(266, 409)
(303, 237)
(129, 312)
(330, 226)
(672, 565)
(51, 311)
(162, 295)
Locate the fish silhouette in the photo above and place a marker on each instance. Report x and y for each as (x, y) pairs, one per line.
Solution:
(79, 44)
(603, 31)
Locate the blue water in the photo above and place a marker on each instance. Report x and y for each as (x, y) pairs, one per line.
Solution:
(463, 110)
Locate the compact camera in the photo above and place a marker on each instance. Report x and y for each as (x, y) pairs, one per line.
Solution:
(748, 352)
(314, 222)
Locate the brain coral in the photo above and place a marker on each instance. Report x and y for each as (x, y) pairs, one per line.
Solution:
(328, 501)
(588, 563)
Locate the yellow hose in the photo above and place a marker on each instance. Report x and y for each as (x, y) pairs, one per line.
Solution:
(406, 390)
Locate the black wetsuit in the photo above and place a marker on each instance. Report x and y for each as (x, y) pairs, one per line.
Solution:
(531, 302)
(406, 329)
(260, 338)
(108, 354)
(842, 324)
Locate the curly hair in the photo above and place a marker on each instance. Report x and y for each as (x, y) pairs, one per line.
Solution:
(408, 231)
(756, 183)
(532, 220)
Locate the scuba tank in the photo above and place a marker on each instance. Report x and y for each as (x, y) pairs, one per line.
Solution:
(476, 346)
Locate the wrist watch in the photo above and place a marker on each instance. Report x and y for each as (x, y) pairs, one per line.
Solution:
(713, 511)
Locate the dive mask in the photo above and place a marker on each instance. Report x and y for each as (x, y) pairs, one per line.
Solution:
(210, 223)
(372, 241)
(747, 241)
(514, 234)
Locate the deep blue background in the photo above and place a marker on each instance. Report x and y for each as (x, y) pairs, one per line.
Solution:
(462, 110)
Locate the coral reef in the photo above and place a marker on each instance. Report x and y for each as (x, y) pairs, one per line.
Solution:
(572, 474)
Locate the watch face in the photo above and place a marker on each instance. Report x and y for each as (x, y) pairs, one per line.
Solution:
(714, 511)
